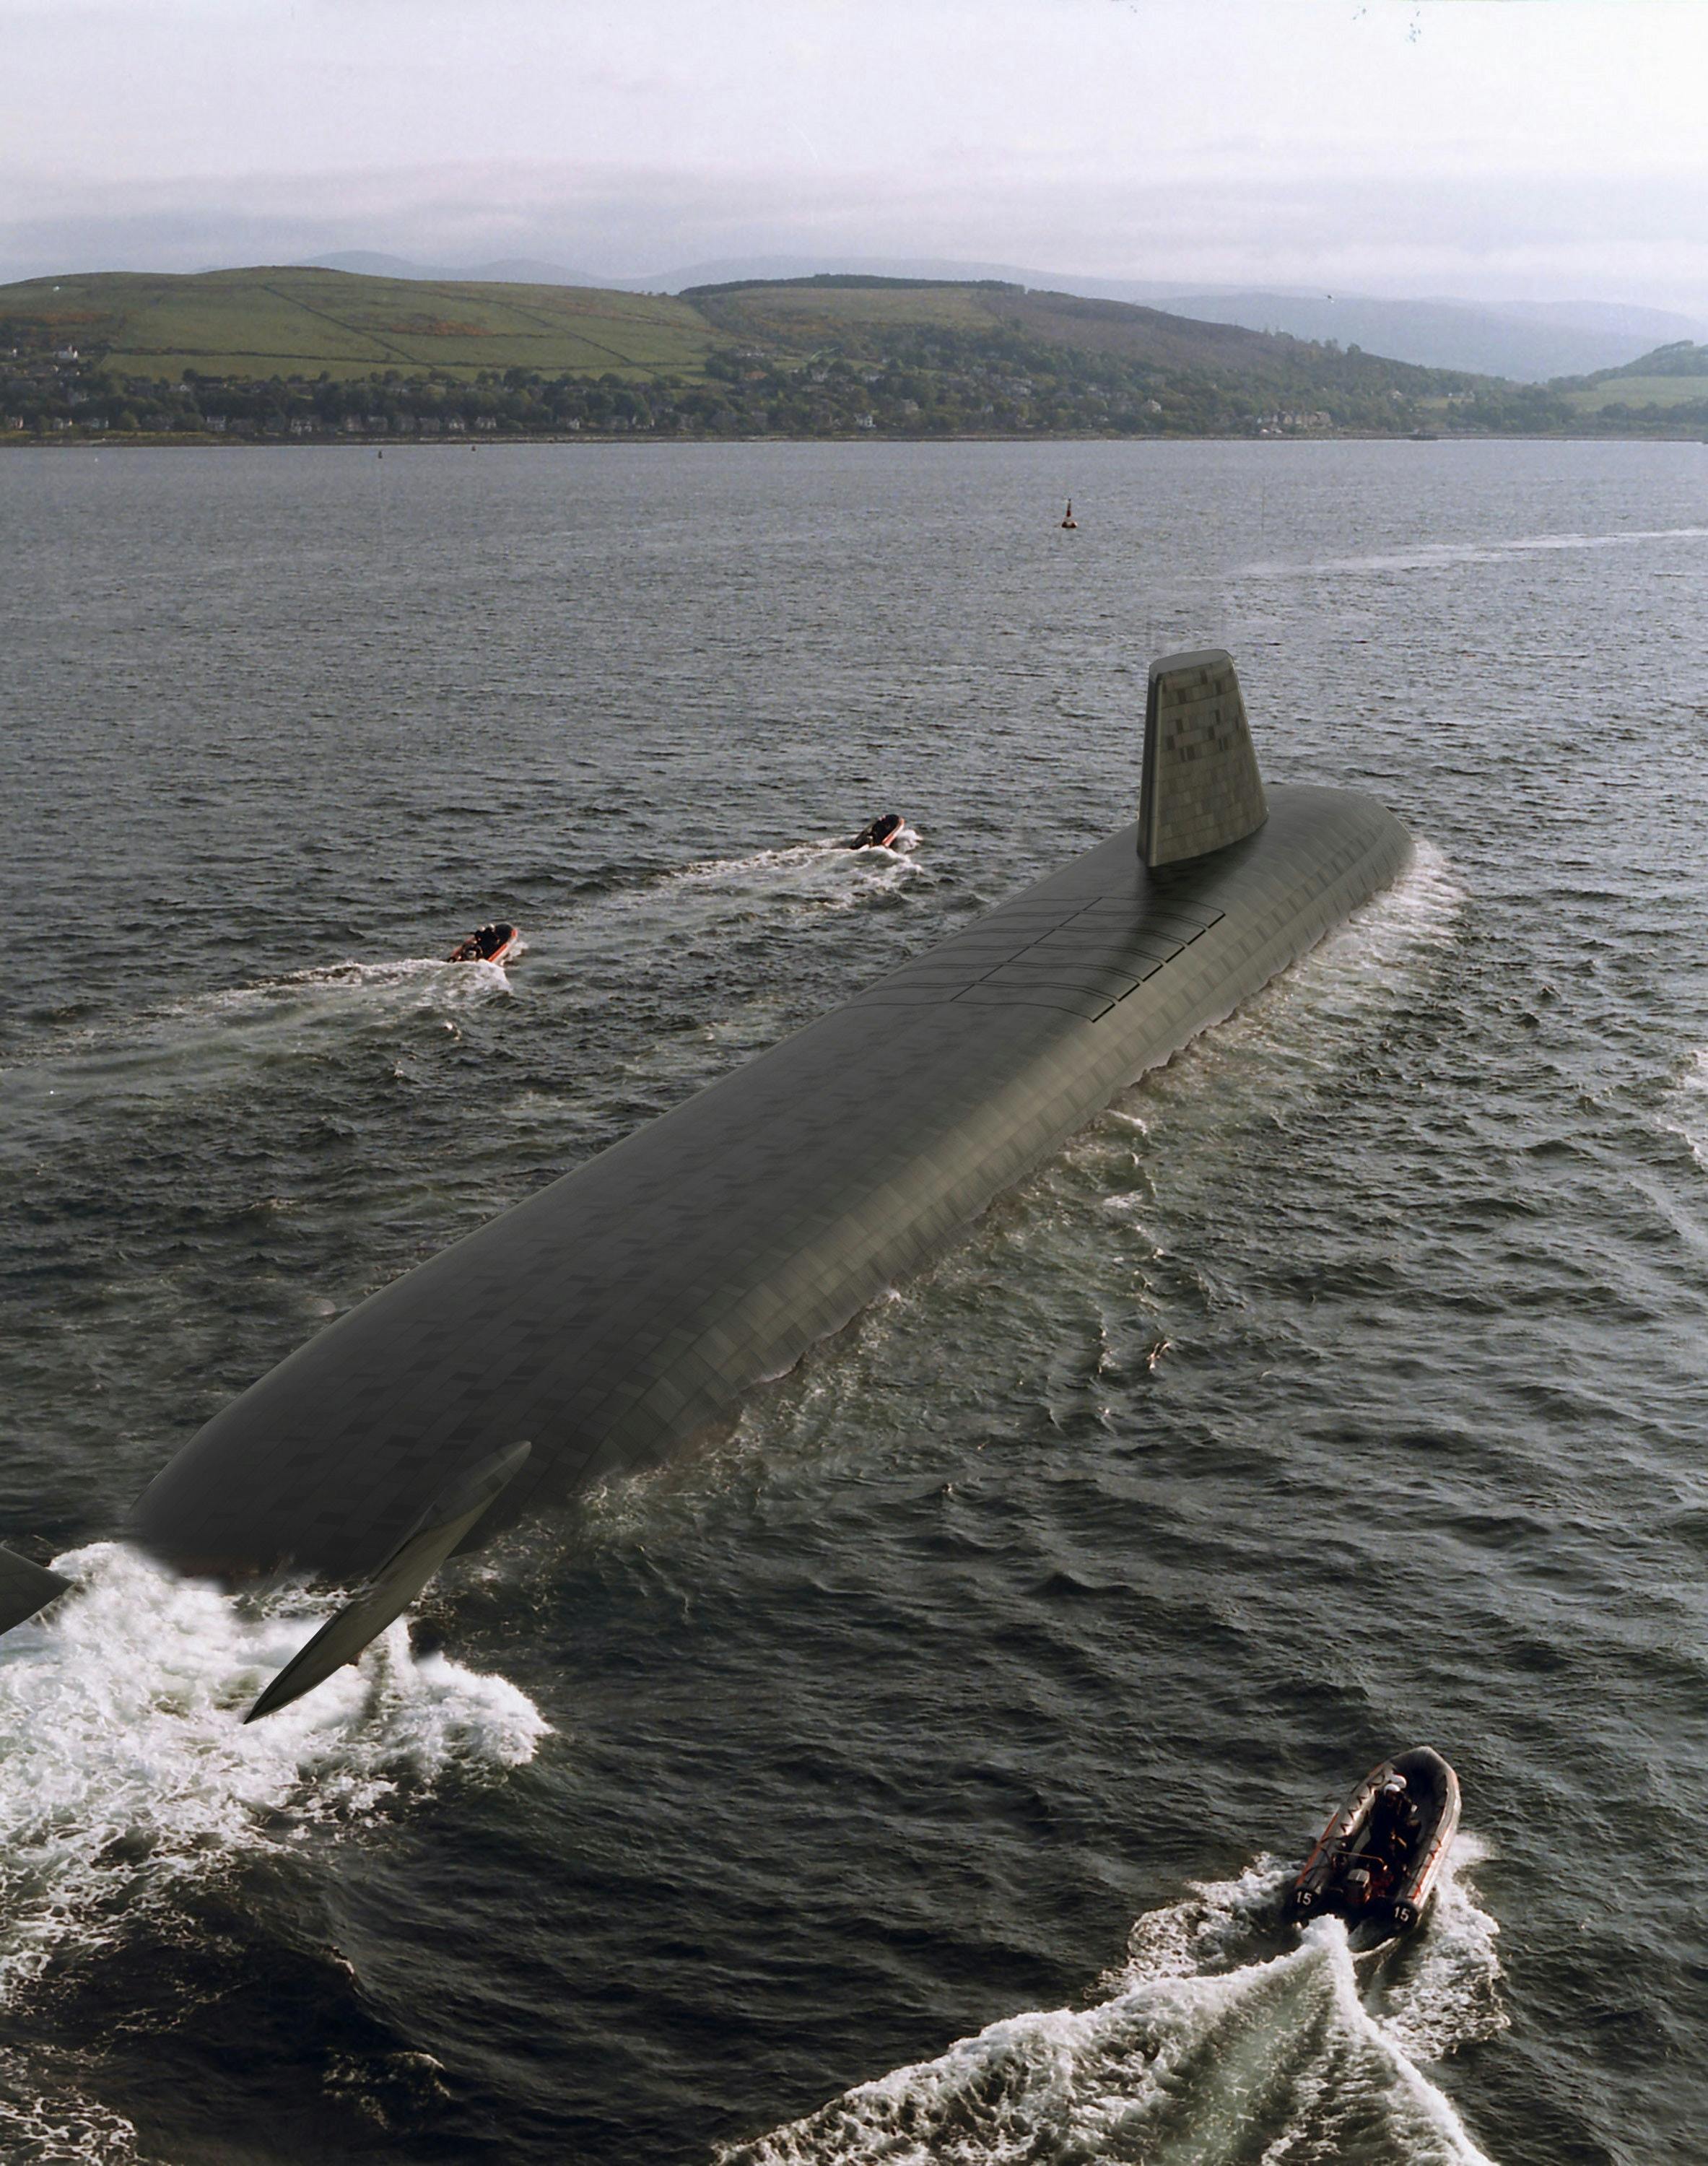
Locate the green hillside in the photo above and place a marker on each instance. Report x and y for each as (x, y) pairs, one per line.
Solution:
(284, 322)
(1009, 358)
(796, 313)
(267, 323)
(309, 353)
(1632, 392)
(1657, 384)
(1683, 357)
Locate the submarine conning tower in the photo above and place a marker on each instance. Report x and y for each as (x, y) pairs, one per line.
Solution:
(1201, 787)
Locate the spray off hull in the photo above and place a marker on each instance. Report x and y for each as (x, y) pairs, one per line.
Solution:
(632, 1305)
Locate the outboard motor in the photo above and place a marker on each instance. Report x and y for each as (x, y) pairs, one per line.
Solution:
(879, 834)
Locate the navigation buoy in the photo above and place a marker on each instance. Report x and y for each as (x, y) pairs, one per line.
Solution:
(1070, 520)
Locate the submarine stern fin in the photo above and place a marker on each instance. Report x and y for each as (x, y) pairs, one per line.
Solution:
(452, 1514)
(26, 1588)
(1202, 789)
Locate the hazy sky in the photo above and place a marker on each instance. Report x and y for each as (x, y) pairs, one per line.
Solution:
(1537, 149)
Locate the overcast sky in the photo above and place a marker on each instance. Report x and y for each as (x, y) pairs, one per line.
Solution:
(1529, 149)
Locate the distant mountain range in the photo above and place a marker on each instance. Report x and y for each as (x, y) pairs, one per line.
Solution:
(1530, 342)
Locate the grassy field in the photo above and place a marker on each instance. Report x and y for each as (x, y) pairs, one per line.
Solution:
(792, 316)
(1640, 391)
(795, 318)
(266, 323)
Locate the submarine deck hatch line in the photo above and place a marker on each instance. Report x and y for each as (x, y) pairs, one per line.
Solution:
(631, 1304)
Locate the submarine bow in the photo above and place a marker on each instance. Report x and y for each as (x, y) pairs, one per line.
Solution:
(632, 1303)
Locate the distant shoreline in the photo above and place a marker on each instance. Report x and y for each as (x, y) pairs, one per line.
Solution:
(587, 440)
(266, 354)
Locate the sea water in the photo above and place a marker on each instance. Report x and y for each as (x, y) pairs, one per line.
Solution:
(914, 1774)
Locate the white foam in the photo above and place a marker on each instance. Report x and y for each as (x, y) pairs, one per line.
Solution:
(826, 873)
(1450, 556)
(125, 1767)
(1446, 1993)
(1282, 1044)
(201, 1041)
(1191, 2055)
(1203, 1931)
(46, 2120)
(1685, 1111)
(337, 991)
(1372, 951)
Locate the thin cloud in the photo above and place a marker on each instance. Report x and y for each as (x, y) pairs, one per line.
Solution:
(1512, 151)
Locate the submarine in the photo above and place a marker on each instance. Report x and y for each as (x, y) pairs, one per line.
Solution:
(628, 1307)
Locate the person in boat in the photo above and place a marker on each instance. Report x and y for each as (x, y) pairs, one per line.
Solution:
(879, 833)
(482, 944)
(1394, 1819)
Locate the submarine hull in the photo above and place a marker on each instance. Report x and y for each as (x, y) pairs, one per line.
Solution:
(632, 1303)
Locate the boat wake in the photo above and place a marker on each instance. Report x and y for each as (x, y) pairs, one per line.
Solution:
(332, 992)
(826, 872)
(204, 1041)
(1685, 1112)
(684, 907)
(1203, 2047)
(128, 1770)
(1450, 556)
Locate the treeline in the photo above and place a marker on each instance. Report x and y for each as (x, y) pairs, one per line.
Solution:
(928, 382)
(934, 381)
(1687, 415)
(87, 398)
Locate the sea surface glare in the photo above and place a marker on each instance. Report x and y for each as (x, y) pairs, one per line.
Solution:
(912, 1777)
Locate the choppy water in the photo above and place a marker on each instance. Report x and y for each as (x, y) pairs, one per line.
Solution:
(1341, 1388)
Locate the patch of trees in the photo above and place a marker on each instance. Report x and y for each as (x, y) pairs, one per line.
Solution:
(925, 382)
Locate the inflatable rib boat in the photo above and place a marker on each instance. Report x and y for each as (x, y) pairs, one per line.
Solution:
(1377, 1862)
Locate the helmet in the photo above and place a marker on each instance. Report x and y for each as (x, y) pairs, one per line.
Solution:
(1395, 1782)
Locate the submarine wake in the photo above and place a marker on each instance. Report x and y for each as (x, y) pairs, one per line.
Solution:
(1318, 1013)
(1205, 2046)
(1316, 1021)
(1168, 1137)
(127, 1770)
